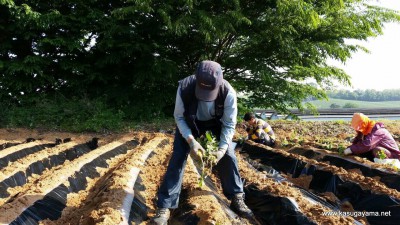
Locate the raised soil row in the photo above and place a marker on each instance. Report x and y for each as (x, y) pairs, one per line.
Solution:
(347, 187)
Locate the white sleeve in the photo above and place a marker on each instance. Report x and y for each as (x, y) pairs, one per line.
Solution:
(228, 119)
(179, 117)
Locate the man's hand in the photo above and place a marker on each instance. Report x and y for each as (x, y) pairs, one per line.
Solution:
(196, 150)
(347, 151)
(219, 154)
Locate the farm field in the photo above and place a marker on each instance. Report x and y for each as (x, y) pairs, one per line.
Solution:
(74, 178)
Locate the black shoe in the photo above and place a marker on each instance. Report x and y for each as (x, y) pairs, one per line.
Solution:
(161, 217)
(238, 206)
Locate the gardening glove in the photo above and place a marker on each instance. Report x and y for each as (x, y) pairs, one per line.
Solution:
(196, 150)
(219, 154)
(347, 151)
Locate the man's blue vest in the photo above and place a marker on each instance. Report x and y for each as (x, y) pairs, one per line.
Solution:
(188, 86)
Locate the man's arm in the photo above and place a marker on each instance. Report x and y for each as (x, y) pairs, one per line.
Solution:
(179, 118)
(370, 142)
(228, 120)
(358, 138)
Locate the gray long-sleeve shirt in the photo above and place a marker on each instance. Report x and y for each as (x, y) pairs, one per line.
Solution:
(206, 111)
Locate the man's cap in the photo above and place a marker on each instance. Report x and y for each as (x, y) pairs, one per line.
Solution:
(208, 80)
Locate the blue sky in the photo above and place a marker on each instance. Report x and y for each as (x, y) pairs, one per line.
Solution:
(379, 69)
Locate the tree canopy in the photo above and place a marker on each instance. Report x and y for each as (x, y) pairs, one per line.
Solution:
(131, 54)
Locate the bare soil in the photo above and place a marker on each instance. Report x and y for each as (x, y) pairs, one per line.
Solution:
(107, 196)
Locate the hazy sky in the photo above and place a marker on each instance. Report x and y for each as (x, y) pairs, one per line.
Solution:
(379, 69)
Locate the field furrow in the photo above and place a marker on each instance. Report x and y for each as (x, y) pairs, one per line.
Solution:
(348, 189)
(108, 199)
(112, 179)
(55, 184)
(16, 152)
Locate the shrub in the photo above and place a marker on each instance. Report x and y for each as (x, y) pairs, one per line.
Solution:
(334, 106)
(350, 105)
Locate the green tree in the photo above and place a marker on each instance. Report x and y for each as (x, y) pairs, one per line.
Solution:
(131, 54)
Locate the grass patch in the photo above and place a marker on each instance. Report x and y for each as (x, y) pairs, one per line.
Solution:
(60, 114)
(78, 115)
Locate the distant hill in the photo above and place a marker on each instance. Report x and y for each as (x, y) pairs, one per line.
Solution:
(322, 104)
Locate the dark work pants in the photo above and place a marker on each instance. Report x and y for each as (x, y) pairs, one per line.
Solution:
(266, 141)
(168, 194)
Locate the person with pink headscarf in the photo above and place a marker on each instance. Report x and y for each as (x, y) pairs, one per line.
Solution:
(372, 137)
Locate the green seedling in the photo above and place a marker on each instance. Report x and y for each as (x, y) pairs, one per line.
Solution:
(301, 141)
(341, 149)
(208, 160)
(241, 140)
(293, 135)
(285, 142)
(381, 154)
(392, 164)
(329, 146)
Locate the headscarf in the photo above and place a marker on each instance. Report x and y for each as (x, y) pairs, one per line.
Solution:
(362, 123)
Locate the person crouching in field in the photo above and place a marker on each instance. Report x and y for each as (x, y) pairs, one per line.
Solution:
(372, 137)
(259, 131)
